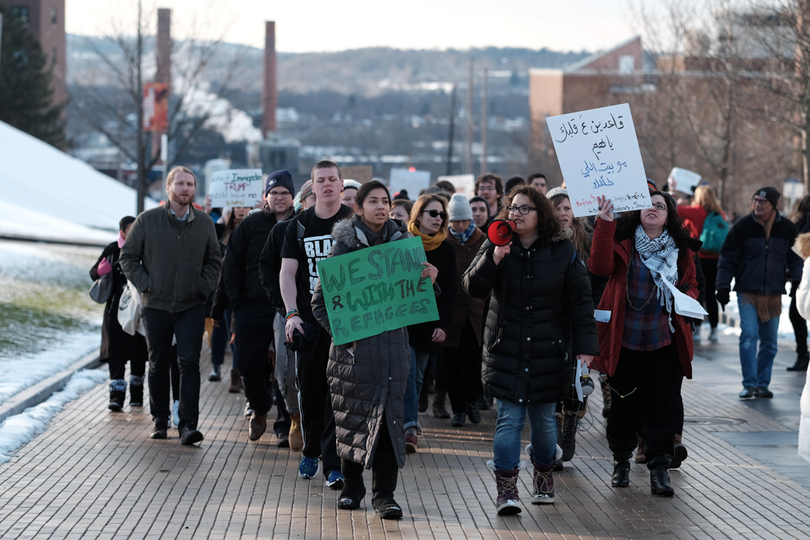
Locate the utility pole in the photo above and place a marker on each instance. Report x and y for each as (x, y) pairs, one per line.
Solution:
(452, 130)
(484, 118)
(142, 159)
(1, 34)
(468, 157)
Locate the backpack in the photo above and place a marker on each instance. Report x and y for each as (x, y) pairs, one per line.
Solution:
(715, 230)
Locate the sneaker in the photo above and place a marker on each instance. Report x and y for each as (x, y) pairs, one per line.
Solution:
(334, 480)
(248, 410)
(748, 392)
(216, 374)
(458, 420)
(410, 443)
(713, 335)
(176, 413)
(160, 431)
(763, 392)
(388, 510)
(308, 467)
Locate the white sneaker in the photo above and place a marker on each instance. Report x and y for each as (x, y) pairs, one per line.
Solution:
(176, 413)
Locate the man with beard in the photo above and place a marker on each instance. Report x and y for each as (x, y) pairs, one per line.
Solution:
(172, 257)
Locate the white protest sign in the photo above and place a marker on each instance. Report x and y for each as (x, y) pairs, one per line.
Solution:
(412, 181)
(599, 156)
(236, 187)
(685, 179)
(464, 183)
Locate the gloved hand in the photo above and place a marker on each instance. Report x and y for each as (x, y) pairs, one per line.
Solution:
(104, 267)
(723, 297)
(794, 286)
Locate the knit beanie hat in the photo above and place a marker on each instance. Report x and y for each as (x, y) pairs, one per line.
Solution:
(770, 193)
(351, 184)
(459, 208)
(306, 191)
(557, 192)
(281, 178)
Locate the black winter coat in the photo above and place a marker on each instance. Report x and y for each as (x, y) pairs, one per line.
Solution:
(369, 385)
(421, 335)
(115, 343)
(540, 308)
(240, 267)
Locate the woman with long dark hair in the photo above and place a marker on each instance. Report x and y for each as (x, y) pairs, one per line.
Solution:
(367, 378)
(540, 309)
(646, 347)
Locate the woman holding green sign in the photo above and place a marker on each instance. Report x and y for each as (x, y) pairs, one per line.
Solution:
(367, 377)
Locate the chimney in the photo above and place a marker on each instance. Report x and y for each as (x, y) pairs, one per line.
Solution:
(164, 47)
(269, 94)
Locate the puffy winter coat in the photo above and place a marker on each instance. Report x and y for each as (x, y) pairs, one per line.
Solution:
(540, 307)
(610, 255)
(370, 383)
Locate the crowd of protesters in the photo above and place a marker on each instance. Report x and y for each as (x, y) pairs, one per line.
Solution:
(516, 326)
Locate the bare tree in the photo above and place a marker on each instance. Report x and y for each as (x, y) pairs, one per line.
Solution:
(110, 99)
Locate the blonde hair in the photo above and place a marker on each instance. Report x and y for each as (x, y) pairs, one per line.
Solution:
(706, 199)
(174, 172)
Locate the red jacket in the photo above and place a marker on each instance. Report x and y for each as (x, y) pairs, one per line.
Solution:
(610, 256)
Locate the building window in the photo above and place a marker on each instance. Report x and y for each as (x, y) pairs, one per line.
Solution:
(54, 18)
(23, 12)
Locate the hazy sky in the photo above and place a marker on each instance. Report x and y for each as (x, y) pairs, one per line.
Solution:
(331, 25)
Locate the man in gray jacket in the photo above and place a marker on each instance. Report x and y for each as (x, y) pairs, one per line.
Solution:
(172, 257)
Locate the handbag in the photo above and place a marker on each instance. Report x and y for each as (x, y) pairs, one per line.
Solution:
(102, 289)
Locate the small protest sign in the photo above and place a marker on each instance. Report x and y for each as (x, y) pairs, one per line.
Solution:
(375, 289)
(599, 156)
(685, 179)
(361, 173)
(412, 181)
(236, 187)
(464, 183)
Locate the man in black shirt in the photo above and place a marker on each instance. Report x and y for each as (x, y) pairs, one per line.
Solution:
(308, 240)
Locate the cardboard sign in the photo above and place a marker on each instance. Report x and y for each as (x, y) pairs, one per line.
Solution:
(376, 289)
(361, 173)
(599, 156)
(685, 179)
(236, 187)
(464, 184)
(411, 181)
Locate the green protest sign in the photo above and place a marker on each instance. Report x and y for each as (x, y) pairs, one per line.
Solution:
(376, 289)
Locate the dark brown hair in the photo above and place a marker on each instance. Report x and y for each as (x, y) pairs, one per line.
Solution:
(325, 164)
(494, 178)
(420, 205)
(673, 225)
(583, 237)
(548, 226)
(367, 188)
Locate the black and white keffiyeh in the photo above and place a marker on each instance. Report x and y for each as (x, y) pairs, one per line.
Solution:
(660, 256)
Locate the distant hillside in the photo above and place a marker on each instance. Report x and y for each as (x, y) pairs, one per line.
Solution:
(368, 72)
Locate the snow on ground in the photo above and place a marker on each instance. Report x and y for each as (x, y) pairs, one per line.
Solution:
(20, 429)
(23, 222)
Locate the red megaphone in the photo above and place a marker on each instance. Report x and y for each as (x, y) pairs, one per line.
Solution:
(500, 231)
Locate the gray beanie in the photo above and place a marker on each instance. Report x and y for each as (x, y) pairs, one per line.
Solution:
(459, 208)
(557, 192)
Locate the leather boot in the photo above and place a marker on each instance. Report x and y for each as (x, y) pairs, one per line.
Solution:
(439, 409)
(659, 482)
(508, 501)
(621, 470)
(543, 484)
(680, 453)
(118, 390)
(236, 382)
(135, 391)
(802, 359)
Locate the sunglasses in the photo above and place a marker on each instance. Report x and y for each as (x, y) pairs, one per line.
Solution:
(436, 213)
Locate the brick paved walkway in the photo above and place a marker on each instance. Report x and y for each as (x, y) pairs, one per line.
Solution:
(94, 474)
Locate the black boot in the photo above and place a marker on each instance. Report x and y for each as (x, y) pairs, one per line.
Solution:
(659, 482)
(802, 359)
(621, 470)
(439, 408)
(353, 492)
(135, 391)
(118, 391)
(383, 485)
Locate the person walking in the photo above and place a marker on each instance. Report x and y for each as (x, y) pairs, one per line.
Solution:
(116, 345)
(757, 254)
(462, 347)
(801, 219)
(540, 309)
(429, 222)
(172, 257)
(646, 347)
(369, 374)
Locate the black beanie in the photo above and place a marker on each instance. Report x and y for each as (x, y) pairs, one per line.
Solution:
(770, 193)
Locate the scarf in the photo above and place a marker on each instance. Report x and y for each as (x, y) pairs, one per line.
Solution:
(464, 236)
(121, 240)
(429, 242)
(660, 256)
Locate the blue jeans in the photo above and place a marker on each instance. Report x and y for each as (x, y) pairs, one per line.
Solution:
(756, 366)
(543, 436)
(419, 362)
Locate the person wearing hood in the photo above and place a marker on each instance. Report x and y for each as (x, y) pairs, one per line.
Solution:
(367, 377)
(254, 314)
(116, 345)
(540, 309)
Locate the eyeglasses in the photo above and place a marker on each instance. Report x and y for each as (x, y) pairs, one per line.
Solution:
(756, 200)
(660, 206)
(435, 214)
(522, 210)
(284, 193)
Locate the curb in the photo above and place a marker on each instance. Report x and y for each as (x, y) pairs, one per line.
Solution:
(36, 394)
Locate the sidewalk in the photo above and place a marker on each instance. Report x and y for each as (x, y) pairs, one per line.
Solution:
(95, 474)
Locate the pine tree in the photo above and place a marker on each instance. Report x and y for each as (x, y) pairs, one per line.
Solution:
(26, 94)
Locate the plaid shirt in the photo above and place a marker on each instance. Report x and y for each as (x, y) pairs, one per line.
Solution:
(648, 329)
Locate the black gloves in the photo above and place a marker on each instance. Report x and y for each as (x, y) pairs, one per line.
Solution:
(723, 297)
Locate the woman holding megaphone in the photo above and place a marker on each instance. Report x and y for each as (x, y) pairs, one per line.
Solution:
(540, 308)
